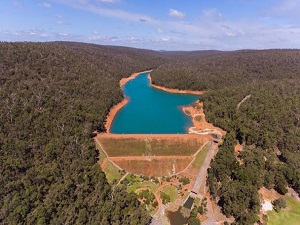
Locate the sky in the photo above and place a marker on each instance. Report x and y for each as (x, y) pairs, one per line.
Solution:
(155, 24)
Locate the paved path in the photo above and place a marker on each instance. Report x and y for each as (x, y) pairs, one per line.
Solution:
(201, 176)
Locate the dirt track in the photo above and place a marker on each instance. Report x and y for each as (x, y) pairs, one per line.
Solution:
(165, 136)
(148, 158)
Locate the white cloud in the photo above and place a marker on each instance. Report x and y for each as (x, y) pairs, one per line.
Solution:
(287, 6)
(175, 13)
(166, 39)
(212, 14)
(46, 5)
(90, 6)
(288, 10)
(211, 30)
(59, 20)
(160, 30)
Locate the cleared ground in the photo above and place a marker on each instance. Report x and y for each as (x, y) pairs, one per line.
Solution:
(159, 145)
(150, 155)
(193, 170)
(153, 166)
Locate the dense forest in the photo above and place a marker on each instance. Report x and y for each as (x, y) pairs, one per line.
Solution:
(53, 96)
(255, 97)
(212, 70)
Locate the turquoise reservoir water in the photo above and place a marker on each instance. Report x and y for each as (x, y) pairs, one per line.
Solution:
(151, 111)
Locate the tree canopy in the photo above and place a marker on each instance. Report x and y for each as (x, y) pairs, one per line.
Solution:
(255, 97)
(53, 96)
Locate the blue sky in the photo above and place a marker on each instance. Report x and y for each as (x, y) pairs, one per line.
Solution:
(155, 24)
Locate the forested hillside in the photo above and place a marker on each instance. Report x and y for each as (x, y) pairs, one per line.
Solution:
(214, 70)
(266, 122)
(53, 96)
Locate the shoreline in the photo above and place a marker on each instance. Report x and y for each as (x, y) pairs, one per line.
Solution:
(114, 110)
(143, 136)
(123, 81)
(176, 91)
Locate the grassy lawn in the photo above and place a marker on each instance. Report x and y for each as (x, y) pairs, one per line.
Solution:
(171, 191)
(153, 187)
(200, 157)
(133, 178)
(197, 201)
(150, 146)
(290, 215)
(112, 173)
(102, 156)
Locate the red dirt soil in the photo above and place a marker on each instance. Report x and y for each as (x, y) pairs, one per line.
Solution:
(202, 138)
(123, 81)
(154, 166)
(104, 164)
(237, 148)
(270, 195)
(174, 90)
(112, 113)
(195, 111)
(114, 110)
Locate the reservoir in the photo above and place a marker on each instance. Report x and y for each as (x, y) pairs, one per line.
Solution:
(151, 111)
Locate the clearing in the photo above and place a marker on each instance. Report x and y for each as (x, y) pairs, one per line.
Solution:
(159, 145)
(149, 155)
(157, 166)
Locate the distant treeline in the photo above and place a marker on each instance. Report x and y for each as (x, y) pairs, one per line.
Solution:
(52, 97)
(267, 122)
(216, 70)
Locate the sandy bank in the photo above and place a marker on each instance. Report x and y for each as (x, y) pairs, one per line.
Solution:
(114, 110)
(157, 136)
(174, 90)
(201, 126)
(195, 111)
(123, 81)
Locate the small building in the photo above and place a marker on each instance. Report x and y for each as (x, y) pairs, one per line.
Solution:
(189, 203)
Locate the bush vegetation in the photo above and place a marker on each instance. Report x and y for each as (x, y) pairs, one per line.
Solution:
(267, 122)
(53, 96)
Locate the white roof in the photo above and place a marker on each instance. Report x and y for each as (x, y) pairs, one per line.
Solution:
(267, 205)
